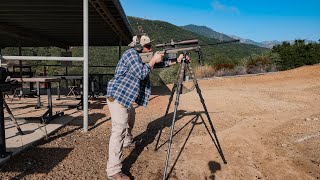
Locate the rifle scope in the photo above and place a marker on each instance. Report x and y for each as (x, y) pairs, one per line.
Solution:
(172, 43)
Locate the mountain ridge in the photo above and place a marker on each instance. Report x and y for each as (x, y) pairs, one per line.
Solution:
(208, 32)
(161, 32)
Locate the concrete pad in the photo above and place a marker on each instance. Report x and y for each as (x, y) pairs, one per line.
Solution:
(28, 119)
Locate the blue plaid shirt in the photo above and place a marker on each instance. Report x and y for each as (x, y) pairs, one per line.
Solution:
(131, 80)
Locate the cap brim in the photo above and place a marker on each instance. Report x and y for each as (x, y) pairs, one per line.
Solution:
(131, 44)
(148, 43)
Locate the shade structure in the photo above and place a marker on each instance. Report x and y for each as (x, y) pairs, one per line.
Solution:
(64, 23)
(40, 23)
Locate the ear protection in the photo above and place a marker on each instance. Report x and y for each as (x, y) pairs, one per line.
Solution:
(138, 46)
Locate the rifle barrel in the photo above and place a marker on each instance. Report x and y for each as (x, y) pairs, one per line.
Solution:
(222, 42)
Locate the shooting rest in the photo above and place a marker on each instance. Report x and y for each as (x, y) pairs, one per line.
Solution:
(177, 88)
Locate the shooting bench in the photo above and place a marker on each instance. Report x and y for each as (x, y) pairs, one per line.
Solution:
(18, 72)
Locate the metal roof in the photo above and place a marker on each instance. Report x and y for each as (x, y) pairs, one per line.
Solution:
(37, 23)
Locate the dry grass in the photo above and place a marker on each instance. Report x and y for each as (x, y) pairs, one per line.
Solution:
(210, 71)
(238, 70)
(204, 71)
(252, 67)
(224, 66)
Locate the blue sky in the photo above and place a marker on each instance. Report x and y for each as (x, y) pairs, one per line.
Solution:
(258, 20)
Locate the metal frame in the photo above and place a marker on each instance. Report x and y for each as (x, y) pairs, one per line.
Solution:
(85, 60)
(42, 23)
(85, 64)
(45, 58)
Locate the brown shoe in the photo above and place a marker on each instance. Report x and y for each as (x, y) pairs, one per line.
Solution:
(132, 144)
(119, 176)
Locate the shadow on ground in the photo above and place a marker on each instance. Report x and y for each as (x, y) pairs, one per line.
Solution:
(35, 160)
(214, 167)
(153, 129)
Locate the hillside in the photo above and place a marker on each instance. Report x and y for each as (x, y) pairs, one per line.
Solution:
(161, 31)
(207, 32)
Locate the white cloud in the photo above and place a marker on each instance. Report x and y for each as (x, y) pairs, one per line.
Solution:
(217, 6)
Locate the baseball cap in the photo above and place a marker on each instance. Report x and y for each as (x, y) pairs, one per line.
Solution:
(143, 41)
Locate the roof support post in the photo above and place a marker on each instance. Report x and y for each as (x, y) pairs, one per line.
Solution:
(20, 62)
(85, 64)
(44, 58)
(0, 56)
(120, 44)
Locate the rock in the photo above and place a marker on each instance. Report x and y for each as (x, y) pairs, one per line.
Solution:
(308, 119)
(284, 145)
(316, 119)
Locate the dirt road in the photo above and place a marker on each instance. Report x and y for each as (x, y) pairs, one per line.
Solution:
(268, 127)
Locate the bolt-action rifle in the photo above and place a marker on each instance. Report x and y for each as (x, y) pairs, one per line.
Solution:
(171, 49)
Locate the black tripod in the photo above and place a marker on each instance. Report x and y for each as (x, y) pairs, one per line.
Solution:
(177, 88)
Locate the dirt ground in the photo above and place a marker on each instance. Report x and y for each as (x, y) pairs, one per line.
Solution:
(268, 127)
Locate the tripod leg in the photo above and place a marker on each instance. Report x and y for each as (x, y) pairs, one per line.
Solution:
(168, 107)
(165, 116)
(206, 111)
(176, 104)
(12, 117)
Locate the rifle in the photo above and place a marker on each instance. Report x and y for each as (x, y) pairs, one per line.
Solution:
(171, 49)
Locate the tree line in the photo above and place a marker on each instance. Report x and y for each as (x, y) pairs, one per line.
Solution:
(297, 54)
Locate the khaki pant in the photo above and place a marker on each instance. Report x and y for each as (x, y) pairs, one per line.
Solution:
(122, 124)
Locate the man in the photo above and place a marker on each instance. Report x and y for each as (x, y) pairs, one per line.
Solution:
(130, 84)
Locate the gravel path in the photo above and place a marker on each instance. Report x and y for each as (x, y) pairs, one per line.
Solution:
(268, 127)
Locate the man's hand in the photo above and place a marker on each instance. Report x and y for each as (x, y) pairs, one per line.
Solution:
(157, 58)
(181, 57)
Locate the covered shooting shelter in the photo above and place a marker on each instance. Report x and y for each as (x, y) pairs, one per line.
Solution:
(63, 23)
